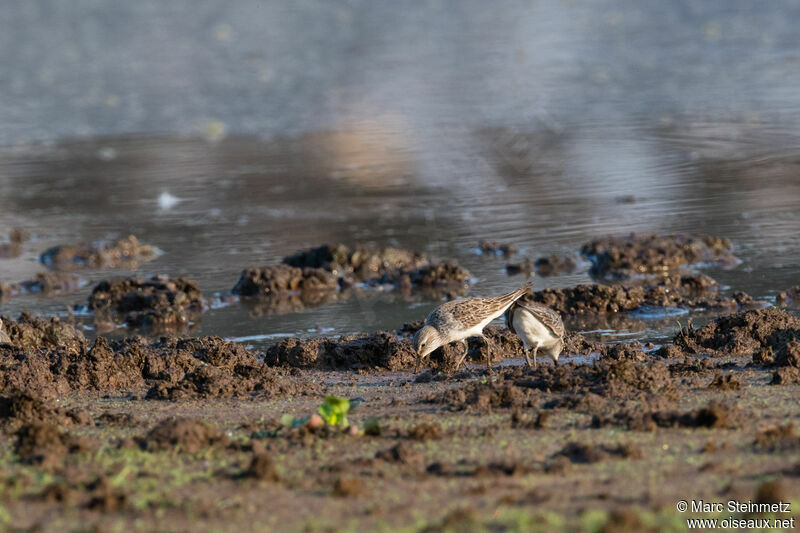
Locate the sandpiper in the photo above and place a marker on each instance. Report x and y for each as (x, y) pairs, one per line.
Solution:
(4, 338)
(539, 327)
(458, 320)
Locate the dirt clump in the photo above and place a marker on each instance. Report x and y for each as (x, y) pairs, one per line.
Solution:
(345, 487)
(127, 253)
(522, 387)
(772, 336)
(494, 247)
(31, 332)
(549, 266)
(622, 350)
(159, 302)
(20, 408)
(579, 452)
(725, 382)
(282, 278)
(425, 431)
(262, 467)
(687, 291)
(328, 268)
(777, 439)
(381, 349)
(643, 418)
(46, 444)
(786, 375)
(170, 368)
(104, 497)
(403, 454)
(623, 256)
(185, 435)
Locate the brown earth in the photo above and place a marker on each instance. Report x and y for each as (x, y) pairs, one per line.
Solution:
(47, 283)
(632, 254)
(158, 302)
(494, 247)
(327, 268)
(686, 291)
(771, 336)
(126, 253)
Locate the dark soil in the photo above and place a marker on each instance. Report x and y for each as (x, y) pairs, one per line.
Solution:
(548, 266)
(183, 435)
(647, 254)
(771, 336)
(126, 253)
(158, 302)
(725, 382)
(688, 291)
(579, 452)
(39, 363)
(779, 438)
(20, 408)
(327, 268)
(715, 415)
(518, 387)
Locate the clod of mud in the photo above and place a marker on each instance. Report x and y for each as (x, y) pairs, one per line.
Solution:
(646, 254)
(622, 350)
(777, 439)
(45, 444)
(262, 468)
(493, 247)
(526, 266)
(380, 349)
(345, 487)
(31, 332)
(104, 496)
(688, 291)
(403, 454)
(170, 368)
(548, 266)
(283, 278)
(327, 268)
(159, 302)
(20, 408)
(183, 435)
(624, 521)
(725, 382)
(772, 336)
(715, 416)
(579, 452)
(425, 432)
(522, 387)
(786, 375)
(126, 253)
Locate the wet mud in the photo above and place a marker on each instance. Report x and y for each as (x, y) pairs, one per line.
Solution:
(628, 255)
(159, 302)
(52, 358)
(770, 336)
(126, 253)
(328, 268)
(46, 283)
(692, 291)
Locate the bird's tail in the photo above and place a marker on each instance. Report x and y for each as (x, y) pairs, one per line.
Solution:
(505, 300)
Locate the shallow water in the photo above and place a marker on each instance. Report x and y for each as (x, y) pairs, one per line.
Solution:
(542, 126)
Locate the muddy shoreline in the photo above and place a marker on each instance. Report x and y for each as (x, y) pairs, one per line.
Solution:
(110, 429)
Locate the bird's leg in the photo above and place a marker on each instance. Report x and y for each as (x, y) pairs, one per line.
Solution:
(463, 355)
(416, 367)
(535, 349)
(488, 352)
(527, 358)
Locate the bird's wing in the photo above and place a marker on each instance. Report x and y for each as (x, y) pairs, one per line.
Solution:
(551, 319)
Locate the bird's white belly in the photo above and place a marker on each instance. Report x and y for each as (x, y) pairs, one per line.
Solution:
(531, 331)
(476, 331)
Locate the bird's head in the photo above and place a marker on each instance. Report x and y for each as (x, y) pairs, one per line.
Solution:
(426, 340)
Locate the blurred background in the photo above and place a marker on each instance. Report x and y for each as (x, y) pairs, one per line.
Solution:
(232, 134)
